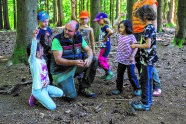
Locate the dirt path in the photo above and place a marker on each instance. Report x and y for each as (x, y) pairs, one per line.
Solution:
(169, 108)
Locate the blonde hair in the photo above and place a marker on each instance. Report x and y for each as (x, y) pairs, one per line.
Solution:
(106, 21)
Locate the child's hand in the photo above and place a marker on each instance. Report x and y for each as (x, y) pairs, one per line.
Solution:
(45, 84)
(105, 39)
(122, 14)
(133, 46)
(35, 33)
(131, 59)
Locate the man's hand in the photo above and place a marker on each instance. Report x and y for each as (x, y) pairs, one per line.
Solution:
(79, 63)
(87, 62)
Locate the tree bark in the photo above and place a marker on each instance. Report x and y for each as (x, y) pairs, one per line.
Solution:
(95, 9)
(60, 13)
(73, 9)
(117, 8)
(180, 37)
(26, 23)
(1, 16)
(170, 12)
(174, 11)
(54, 12)
(5, 15)
(159, 15)
(129, 9)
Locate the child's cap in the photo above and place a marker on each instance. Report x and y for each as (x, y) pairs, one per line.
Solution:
(100, 15)
(42, 16)
(84, 14)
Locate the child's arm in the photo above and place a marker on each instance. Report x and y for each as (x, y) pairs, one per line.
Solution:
(143, 46)
(92, 41)
(34, 46)
(116, 22)
(110, 32)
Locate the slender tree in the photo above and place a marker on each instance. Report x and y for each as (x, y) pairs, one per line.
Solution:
(5, 15)
(129, 9)
(174, 11)
(73, 9)
(170, 12)
(14, 4)
(180, 37)
(159, 15)
(95, 9)
(26, 23)
(60, 13)
(117, 8)
(54, 12)
(1, 16)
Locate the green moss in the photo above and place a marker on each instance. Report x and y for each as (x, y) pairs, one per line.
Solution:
(170, 25)
(179, 42)
(19, 55)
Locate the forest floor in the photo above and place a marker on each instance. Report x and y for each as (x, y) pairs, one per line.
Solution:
(169, 108)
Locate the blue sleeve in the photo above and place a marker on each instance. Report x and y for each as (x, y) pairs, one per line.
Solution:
(148, 32)
(32, 57)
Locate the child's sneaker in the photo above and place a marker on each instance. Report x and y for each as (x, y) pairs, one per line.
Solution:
(137, 92)
(138, 105)
(104, 76)
(109, 76)
(116, 92)
(157, 92)
(31, 100)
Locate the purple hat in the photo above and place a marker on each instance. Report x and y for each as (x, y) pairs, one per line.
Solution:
(42, 16)
(99, 16)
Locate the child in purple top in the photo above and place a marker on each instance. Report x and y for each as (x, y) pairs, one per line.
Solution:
(105, 46)
(125, 57)
(41, 90)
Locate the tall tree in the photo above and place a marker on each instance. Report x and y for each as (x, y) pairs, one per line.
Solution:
(60, 13)
(159, 15)
(26, 23)
(95, 9)
(54, 12)
(73, 9)
(15, 19)
(117, 8)
(174, 11)
(5, 15)
(170, 12)
(129, 9)
(1, 16)
(180, 36)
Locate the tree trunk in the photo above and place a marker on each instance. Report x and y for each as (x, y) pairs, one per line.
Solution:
(165, 8)
(5, 15)
(26, 23)
(87, 5)
(1, 16)
(117, 8)
(60, 12)
(129, 9)
(180, 37)
(170, 12)
(111, 9)
(159, 15)
(121, 3)
(14, 4)
(54, 12)
(174, 11)
(95, 9)
(73, 9)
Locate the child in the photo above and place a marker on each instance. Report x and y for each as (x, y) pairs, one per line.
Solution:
(86, 31)
(41, 90)
(148, 57)
(45, 36)
(125, 57)
(104, 37)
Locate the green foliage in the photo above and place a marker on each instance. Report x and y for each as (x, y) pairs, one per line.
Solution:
(170, 25)
(179, 42)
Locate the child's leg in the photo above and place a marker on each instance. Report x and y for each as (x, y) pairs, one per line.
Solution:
(120, 72)
(146, 84)
(43, 97)
(103, 60)
(132, 77)
(54, 91)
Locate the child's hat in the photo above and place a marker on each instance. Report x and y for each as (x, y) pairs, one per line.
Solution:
(84, 14)
(42, 16)
(100, 15)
